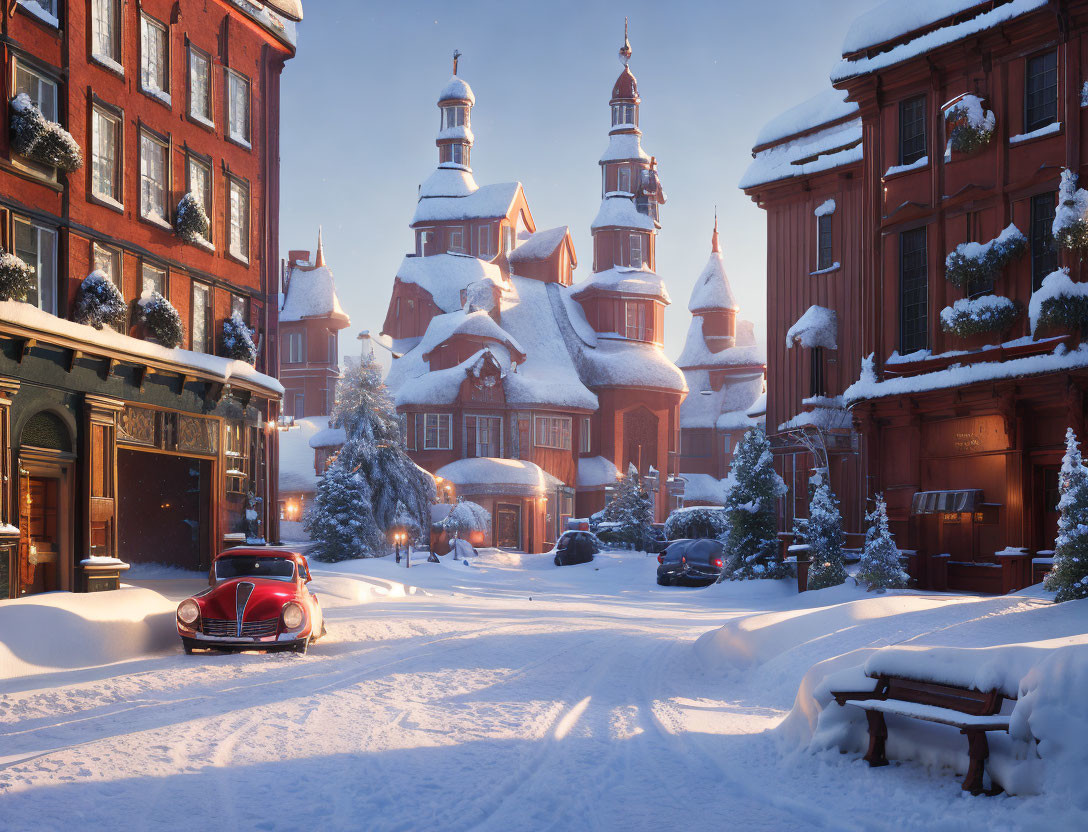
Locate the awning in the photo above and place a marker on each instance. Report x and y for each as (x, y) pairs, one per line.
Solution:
(937, 502)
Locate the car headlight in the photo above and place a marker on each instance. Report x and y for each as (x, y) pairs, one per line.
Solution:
(293, 616)
(188, 611)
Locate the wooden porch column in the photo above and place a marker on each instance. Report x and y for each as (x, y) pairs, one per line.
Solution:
(9, 541)
(98, 532)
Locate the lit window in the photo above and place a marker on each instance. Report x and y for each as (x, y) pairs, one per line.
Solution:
(200, 86)
(238, 110)
(105, 32)
(436, 431)
(636, 321)
(105, 158)
(37, 247)
(154, 280)
(239, 220)
(553, 432)
(200, 184)
(154, 58)
(153, 186)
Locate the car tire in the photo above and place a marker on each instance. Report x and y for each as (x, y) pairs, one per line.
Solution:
(188, 650)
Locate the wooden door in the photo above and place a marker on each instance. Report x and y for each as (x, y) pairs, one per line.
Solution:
(1048, 495)
(39, 554)
(508, 527)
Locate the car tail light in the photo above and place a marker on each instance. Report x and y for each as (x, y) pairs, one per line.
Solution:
(716, 562)
(660, 557)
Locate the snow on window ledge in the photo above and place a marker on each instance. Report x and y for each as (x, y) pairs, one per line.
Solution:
(32, 8)
(897, 169)
(237, 255)
(107, 200)
(157, 94)
(155, 219)
(1049, 130)
(200, 119)
(240, 140)
(826, 207)
(200, 242)
(108, 62)
(834, 267)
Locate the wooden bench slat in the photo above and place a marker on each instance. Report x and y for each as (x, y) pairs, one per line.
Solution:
(931, 713)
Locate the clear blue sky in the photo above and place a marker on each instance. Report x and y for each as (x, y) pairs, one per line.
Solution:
(359, 120)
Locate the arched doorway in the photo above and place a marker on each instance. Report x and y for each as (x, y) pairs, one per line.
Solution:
(46, 459)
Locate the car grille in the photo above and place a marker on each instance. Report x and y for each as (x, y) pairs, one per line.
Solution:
(227, 628)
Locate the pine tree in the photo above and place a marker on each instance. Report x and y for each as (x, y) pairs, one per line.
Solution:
(824, 537)
(340, 521)
(879, 566)
(631, 510)
(98, 302)
(753, 486)
(1069, 577)
(374, 449)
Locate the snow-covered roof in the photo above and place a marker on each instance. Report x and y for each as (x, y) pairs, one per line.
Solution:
(457, 89)
(704, 488)
(704, 405)
(311, 293)
(901, 19)
(596, 471)
(448, 182)
(628, 364)
(823, 150)
(712, 289)
(829, 105)
(445, 275)
(818, 327)
(441, 387)
(16, 315)
(626, 280)
(486, 202)
(539, 245)
(284, 29)
(623, 146)
(488, 475)
(696, 353)
(328, 438)
(619, 210)
(479, 323)
(461, 132)
(296, 472)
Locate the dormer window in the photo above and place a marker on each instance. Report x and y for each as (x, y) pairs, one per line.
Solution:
(454, 117)
(624, 114)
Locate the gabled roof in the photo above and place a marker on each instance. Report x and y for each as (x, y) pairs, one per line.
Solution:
(479, 324)
(487, 202)
(540, 245)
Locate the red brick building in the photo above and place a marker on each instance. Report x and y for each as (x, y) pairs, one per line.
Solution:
(164, 98)
(522, 390)
(962, 427)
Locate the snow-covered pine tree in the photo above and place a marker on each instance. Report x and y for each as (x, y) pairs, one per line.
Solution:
(33, 136)
(753, 486)
(879, 566)
(824, 537)
(374, 449)
(161, 319)
(340, 521)
(236, 340)
(465, 518)
(98, 302)
(191, 222)
(1069, 577)
(631, 510)
(16, 277)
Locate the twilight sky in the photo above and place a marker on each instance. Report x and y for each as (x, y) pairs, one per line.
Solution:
(360, 116)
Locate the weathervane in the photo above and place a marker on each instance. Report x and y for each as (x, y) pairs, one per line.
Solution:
(456, 55)
(625, 50)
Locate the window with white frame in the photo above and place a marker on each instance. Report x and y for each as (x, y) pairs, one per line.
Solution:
(454, 117)
(585, 442)
(106, 155)
(239, 220)
(508, 239)
(153, 178)
(49, 7)
(553, 432)
(635, 320)
(484, 247)
(154, 58)
(41, 89)
(454, 153)
(485, 434)
(636, 251)
(238, 106)
(200, 86)
(154, 280)
(437, 431)
(36, 246)
(106, 32)
(108, 261)
(201, 328)
(199, 174)
(296, 348)
(457, 239)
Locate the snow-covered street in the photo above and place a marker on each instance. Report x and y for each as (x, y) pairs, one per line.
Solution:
(503, 695)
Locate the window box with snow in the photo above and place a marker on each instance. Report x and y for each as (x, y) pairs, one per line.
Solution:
(1059, 306)
(35, 134)
(976, 264)
(989, 314)
(968, 124)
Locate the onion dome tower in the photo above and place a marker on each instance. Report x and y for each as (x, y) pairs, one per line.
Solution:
(454, 174)
(713, 300)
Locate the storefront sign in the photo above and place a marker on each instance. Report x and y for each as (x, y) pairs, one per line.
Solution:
(961, 437)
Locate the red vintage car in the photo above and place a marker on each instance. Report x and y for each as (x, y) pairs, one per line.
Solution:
(257, 600)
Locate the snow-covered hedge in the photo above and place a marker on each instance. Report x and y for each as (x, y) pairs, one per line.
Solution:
(43, 141)
(973, 262)
(191, 222)
(1070, 226)
(970, 125)
(1059, 303)
(161, 319)
(236, 340)
(16, 277)
(98, 302)
(696, 522)
(973, 316)
(464, 518)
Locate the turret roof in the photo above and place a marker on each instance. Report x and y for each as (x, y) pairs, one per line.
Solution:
(457, 89)
(712, 289)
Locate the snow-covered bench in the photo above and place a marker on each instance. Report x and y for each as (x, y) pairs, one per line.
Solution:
(974, 712)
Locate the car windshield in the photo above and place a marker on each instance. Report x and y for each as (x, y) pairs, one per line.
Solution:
(252, 566)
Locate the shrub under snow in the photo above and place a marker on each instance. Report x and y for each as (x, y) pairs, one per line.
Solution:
(823, 534)
(971, 125)
(16, 277)
(161, 319)
(696, 522)
(972, 316)
(1070, 226)
(43, 141)
(879, 566)
(627, 519)
(1059, 303)
(466, 517)
(1069, 577)
(99, 303)
(236, 340)
(977, 262)
(192, 221)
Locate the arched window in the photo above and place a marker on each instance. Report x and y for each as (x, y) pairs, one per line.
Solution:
(47, 430)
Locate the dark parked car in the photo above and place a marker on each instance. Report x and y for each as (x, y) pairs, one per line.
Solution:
(576, 547)
(691, 562)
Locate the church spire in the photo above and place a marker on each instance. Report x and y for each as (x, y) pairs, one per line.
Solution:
(625, 50)
(319, 258)
(714, 237)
